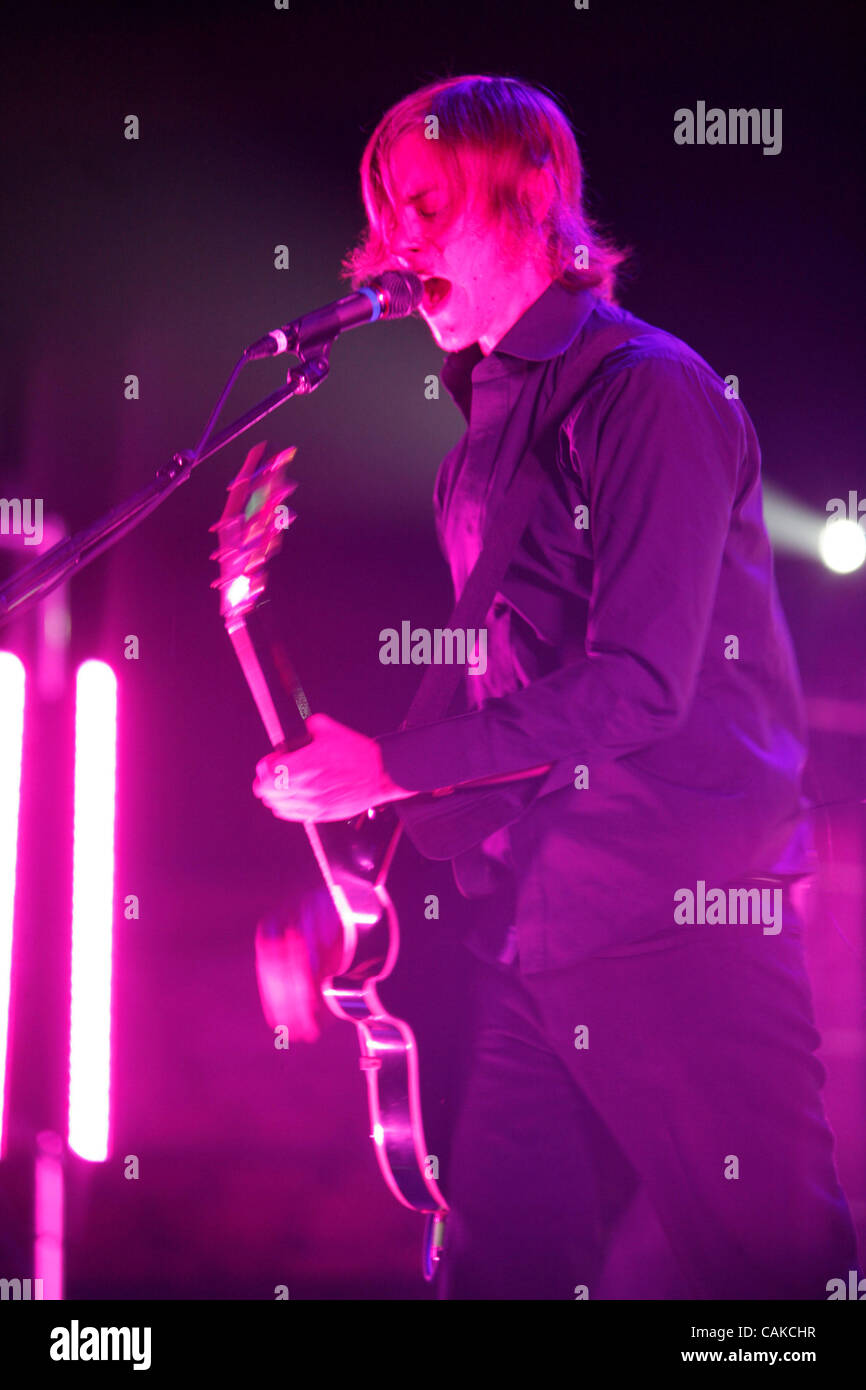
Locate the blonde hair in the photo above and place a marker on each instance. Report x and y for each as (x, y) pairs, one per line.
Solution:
(500, 129)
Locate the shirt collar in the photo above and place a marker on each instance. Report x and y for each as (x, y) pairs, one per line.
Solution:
(543, 331)
(549, 325)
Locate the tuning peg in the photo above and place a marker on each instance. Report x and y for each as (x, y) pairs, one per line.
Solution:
(281, 492)
(222, 551)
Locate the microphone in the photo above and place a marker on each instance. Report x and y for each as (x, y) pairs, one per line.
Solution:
(392, 295)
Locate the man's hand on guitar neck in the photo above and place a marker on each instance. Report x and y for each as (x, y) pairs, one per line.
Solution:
(337, 776)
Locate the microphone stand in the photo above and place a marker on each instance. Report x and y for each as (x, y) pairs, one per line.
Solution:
(30, 584)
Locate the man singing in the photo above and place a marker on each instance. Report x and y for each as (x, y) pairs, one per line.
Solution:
(643, 1115)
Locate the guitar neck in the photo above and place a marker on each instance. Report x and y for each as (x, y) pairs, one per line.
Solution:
(281, 703)
(273, 682)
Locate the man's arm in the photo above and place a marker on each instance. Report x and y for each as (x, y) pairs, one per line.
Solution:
(658, 448)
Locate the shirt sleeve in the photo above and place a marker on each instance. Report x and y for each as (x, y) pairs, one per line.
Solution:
(657, 449)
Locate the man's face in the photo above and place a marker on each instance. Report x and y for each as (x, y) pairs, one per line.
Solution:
(468, 283)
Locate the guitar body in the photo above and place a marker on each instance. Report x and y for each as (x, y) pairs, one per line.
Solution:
(336, 958)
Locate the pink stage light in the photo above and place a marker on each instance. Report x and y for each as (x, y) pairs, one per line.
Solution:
(92, 910)
(48, 1216)
(11, 744)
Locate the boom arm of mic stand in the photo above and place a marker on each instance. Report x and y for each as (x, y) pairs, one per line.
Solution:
(33, 582)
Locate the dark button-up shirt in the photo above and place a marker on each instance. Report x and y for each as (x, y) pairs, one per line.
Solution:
(637, 642)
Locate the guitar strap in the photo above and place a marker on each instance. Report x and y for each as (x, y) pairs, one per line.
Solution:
(443, 827)
(439, 683)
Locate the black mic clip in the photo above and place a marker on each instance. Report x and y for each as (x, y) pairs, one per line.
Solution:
(314, 367)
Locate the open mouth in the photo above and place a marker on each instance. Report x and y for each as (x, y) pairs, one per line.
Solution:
(436, 291)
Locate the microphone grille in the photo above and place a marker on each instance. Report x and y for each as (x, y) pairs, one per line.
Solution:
(404, 292)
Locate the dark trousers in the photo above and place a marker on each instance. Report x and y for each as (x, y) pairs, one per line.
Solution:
(682, 1153)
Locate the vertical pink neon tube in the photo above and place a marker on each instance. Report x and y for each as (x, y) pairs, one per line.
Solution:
(48, 1216)
(11, 744)
(92, 910)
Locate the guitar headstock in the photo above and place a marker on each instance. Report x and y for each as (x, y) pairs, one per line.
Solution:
(251, 528)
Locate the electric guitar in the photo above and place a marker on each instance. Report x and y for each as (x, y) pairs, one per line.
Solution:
(301, 961)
